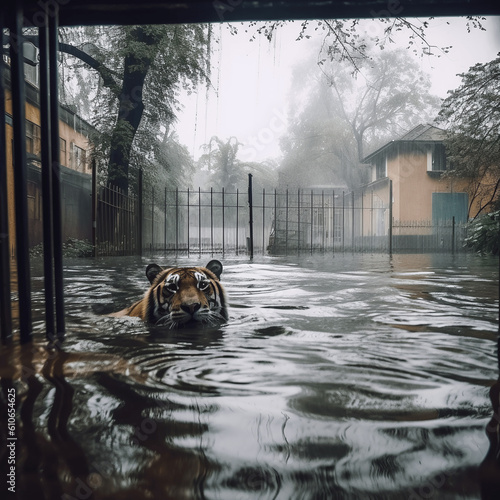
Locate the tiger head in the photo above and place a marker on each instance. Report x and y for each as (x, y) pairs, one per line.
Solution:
(182, 295)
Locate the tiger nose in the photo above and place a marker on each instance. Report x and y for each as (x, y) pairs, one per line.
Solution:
(191, 308)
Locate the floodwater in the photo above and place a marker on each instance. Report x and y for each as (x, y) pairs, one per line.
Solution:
(347, 376)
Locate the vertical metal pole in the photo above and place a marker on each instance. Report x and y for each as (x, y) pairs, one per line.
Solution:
(275, 221)
(390, 217)
(343, 221)
(94, 208)
(312, 221)
(323, 215)
(20, 174)
(223, 223)
(250, 205)
(188, 221)
(199, 219)
(453, 235)
(333, 221)
(286, 224)
(212, 220)
(362, 220)
(5, 305)
(56, 175)
(263, 221)
(152, 218)
(372, 230)
(48, 236)
(165, 221)
(298, 221)
(139, 213)
(352, 228)
(237, 219)
(176, 220)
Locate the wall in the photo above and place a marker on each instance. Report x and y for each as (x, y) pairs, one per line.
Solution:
(74, 198)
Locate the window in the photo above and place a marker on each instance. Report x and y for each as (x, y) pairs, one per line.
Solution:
(62, 151)
(78, 158)
(33, 141)
(380, 170)
(436, 158)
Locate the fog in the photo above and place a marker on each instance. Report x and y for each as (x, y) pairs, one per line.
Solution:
(251, 80)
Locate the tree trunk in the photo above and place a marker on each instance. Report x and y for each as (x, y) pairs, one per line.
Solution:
(130, 107)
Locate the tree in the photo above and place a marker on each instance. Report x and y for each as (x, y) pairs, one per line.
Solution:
(141, 69)
(472, 115)
(226, 170)
(347, 114)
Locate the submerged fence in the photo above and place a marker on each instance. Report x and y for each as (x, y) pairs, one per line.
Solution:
(275, 222)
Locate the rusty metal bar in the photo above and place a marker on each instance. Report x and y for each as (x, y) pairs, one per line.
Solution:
(20, 174)
(48, 233)
(5, 311)
(53, 26)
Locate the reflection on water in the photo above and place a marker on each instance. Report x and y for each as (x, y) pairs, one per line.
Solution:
(352, 377)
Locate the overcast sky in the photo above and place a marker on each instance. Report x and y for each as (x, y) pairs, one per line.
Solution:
(251, 81)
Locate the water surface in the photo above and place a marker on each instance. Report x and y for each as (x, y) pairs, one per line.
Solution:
(346, 376)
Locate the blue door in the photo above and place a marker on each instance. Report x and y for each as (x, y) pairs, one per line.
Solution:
(445, 206)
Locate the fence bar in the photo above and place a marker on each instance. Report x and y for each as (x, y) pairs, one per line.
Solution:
(352, 228)
(199, 219)
(20, 174)
(390, 217)
(139, 213)
(453, 235)
(343, 221)
(323, 219)
(237, 218)
(263, 221)
(275, 221)
(5, 305)
(165, 221)
(212, 220)
(188, 221)
(250, 206)
(46, 153)
(152, 218)
(223, 223)
(286, 225)
(362, 222)
(333, 222)
(176, 220)
(312, 221)
(298, 221)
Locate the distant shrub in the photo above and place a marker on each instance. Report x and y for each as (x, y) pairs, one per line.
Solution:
(72, 247)
(484, 234)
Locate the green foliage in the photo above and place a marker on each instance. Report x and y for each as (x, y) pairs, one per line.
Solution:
(472, 115)
(484, 234)
(131, 92)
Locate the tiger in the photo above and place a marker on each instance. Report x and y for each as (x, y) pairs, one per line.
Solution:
(179, 296)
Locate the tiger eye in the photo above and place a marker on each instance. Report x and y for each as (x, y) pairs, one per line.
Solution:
(204, 284)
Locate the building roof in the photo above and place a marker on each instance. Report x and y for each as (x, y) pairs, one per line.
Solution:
(421, 133)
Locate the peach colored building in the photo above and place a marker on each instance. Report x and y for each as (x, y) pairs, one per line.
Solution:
(416, 163)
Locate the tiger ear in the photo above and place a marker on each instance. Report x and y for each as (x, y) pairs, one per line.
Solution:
(152, 272)
(216, 267)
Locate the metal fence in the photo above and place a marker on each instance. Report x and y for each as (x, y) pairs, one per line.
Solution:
(275, 222)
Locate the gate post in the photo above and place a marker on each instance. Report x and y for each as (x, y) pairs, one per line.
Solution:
(250, 205)
(390, 217)
(139, 214)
